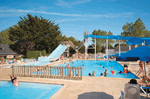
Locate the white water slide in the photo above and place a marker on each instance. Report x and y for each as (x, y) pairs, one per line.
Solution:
(55, 54)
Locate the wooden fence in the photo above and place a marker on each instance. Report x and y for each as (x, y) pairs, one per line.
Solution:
(55, 72)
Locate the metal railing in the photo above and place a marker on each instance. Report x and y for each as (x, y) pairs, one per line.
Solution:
(55, 72)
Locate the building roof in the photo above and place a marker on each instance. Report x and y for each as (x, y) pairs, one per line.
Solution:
(6, 50)
(111, 51)
(123, 48)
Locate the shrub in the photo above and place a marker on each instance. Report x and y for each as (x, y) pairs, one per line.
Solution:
(35, 54)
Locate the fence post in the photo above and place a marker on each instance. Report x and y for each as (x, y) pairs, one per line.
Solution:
(18, 69)
(55, 71)
(78, 72)
(22, 71)
(81, 73)
(75, 73)
(70, 74)
(47, 71)
(12, 69)
(30, 70)
(36, 71)
(50, 71)
(65, 72)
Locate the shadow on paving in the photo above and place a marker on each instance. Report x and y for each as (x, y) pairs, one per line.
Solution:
(95, 95)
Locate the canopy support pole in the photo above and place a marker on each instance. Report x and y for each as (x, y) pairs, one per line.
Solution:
(95, 48)
(85, 52)
(119, 47)
(129, 47)
(145, 80)
(107, 47)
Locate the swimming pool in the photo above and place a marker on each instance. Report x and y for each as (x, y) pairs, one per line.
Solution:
(27, 90)
(94, 65)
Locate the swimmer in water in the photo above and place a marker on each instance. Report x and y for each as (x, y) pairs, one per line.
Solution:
(113, 72)
(120, 72)
(101, 65)
(111, 67)
(82, 66)
(67, 65)
(16, 82)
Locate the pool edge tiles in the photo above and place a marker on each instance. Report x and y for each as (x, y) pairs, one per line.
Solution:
(33, 89)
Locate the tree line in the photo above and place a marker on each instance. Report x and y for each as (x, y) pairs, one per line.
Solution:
(35, 33)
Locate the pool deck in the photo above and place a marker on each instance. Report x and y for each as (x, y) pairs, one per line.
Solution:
(88, 88)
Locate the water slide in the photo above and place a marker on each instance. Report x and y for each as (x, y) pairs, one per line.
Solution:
(55, 54)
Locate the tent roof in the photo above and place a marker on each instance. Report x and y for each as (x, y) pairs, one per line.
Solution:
(117, 37)
(123, 48)
(141, 53)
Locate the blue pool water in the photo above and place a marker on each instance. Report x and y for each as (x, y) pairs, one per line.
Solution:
(27, 90)
(92, 65)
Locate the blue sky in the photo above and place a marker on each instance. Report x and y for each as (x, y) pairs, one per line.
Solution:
(76, 16)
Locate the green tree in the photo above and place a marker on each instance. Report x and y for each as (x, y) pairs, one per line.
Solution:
(135, 29)
(110, 46)
(40, 32)
(4, 37)
(110, 41)
(146, 33)
(120, 45)
(99, 41)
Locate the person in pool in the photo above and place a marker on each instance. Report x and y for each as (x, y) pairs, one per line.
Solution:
(120, 72)
(16, 82)
(89, 74)
(82, 66)
(72, 63)
(101, 75)
(105, 73)
(67, 65)
(113, 72)
(101, 65)
(93, 74)
(111, 67)
(12, 78)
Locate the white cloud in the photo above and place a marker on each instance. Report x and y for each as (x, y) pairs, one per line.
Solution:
(61, 21)
(69, 4)
(75, 19)
(112, 15)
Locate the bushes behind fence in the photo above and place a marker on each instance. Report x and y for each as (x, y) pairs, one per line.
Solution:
(35, 54)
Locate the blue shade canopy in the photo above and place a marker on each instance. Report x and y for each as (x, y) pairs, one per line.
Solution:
(147, 42)
(134, 42)
(141, 53)
(117, 37)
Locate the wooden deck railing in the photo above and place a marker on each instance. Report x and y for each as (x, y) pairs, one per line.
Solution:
(55, 72)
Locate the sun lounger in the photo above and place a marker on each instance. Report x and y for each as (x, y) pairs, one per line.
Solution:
(131, 91)
(142, 88)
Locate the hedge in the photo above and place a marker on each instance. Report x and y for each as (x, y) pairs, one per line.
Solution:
(35, 54)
